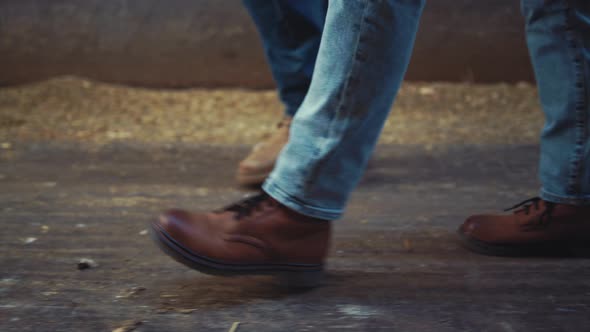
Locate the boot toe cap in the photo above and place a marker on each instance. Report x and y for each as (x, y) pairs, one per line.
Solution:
(173, 221)
(469, 226)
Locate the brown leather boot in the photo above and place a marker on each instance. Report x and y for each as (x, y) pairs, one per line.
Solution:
(536, 227)
(254, 236)
(256, 167)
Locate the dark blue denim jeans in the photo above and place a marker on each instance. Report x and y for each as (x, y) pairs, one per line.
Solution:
(363, 55)
(291, 31)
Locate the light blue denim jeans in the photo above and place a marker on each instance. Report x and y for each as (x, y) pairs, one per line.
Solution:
(363, 55)
(291, 31)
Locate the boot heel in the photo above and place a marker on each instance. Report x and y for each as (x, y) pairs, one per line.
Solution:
(580, 250)
(303, 279)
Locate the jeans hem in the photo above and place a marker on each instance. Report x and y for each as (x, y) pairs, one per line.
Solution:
(550, 197)
(294, 203)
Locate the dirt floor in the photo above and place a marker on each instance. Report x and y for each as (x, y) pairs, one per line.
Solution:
(71, 109)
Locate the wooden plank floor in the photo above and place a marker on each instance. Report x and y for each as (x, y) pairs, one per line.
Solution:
(395, 264)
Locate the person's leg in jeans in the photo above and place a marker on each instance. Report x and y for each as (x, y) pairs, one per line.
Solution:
(558, 36)
(291, 31)
(363, 56)
(356, 79)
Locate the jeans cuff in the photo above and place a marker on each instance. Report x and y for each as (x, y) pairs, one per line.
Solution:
(298, 205)
(550, 197)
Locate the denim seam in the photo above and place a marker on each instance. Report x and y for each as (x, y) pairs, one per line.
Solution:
(343, 95)
(580, 102)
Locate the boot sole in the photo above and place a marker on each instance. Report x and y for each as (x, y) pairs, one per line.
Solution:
(289, 275)
(551, 249)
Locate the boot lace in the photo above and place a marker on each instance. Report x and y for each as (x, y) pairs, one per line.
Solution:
(527, 207)
(246, 206)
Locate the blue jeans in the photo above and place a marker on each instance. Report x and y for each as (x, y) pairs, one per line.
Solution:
(363, 55)
(558, 36)
(291, 31)
(362, 58)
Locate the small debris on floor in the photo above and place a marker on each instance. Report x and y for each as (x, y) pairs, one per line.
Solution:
(86, 263)
(202, 191)
(426, 91)
(129, 325)
(234, 327)
(80, 225)
(44, 229)
(8, 282)
(130, 292)
(49, 293)
(29, 240)
(143, 232)
(408, 245)
(185, 311)
(6, 145)
(165, 310)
